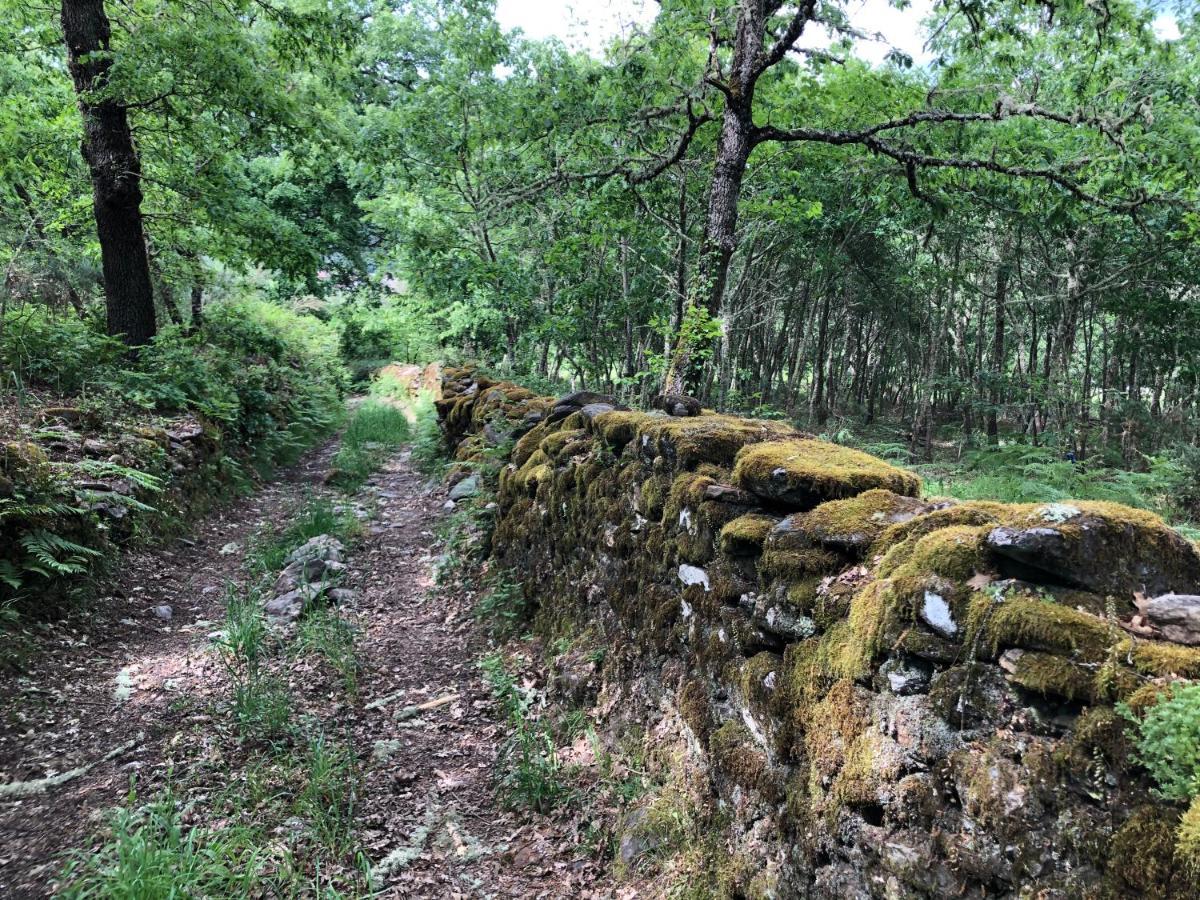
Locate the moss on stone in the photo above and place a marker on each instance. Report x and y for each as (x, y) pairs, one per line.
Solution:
(979, 512)
(686, 442)
(619, 427)
(1100, 731)
(1142, 858)
(652, 497)
(559, 443)
(797, 565)
(744, 536)
(736, 754)
(1187, 840)
(695, 709)
(954, 552)
(25, 463)
(857, 522)
(804, 473)
(1029, 622)
(1051, 675)
(528, 443)
(1160, 659)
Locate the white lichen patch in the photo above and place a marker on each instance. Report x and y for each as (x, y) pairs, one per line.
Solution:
(936, 613)
(1059, 512)
(690, 575)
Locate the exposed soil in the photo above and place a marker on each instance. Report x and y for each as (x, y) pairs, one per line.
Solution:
(116, 689)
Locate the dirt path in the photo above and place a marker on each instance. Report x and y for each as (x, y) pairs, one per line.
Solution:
(112, 691)
(429, 797)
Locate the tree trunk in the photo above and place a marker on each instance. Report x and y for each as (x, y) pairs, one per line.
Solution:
(197, 307)
(993, 431)
(116, 175)
(733, 153)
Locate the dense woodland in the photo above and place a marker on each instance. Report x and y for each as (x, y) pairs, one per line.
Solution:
(1000, 242)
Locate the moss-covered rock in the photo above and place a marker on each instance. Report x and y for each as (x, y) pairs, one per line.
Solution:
(713, 439)
(800, 474)
(851, 526)
(1063, 542)
(744, 536)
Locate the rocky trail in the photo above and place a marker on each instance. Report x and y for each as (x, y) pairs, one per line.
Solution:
(132, 688)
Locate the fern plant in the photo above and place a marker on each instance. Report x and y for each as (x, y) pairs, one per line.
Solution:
(52, 555)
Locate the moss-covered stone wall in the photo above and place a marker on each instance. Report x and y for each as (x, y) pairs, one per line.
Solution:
(894, 695)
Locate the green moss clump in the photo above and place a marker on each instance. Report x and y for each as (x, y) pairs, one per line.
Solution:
(1187, 840)
(735, 754)
(1031, 623)
(744, 536)
(25, 464)
(1048, 675)
(528, 443)
(619, 427)
(1159, 659)
(561, 443)
(805, 473)
(652, 497)
(979, 512)
(954, 552)
(695, 709)
(1100, 731)
(797, 565)
(857, 522)
(1142, 858)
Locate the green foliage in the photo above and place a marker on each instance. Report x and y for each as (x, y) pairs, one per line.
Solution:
(377, 328)
(428, 445)
(375, 431)
(323, 632)
(502, 606)
(530, 772)
(150, 854)
(1020, 473)
(330, 792)
(260, 702)
(1168, 743)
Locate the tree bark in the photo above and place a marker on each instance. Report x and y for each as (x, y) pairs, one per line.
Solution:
(994, 396)
(112, 160)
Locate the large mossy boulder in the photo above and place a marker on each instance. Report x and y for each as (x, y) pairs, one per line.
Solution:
(801, 474)
(715, 439)
(1102, 547)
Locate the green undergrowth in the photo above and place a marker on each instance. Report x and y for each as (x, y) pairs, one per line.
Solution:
(375, 431)
(316, 516)
(1019, 473)
(529, 772)
(260, 382)
(282, 825)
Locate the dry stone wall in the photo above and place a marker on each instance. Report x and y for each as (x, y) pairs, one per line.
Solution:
(893, 695)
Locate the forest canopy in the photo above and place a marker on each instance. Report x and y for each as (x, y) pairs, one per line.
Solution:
(730, 201)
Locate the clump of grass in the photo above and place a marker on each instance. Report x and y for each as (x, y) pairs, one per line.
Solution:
(260, 702)
(531, 773)
(150, 854)
(329, 794)
(502, 607)
(376, 429)
(324, 632)
(428, 447)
